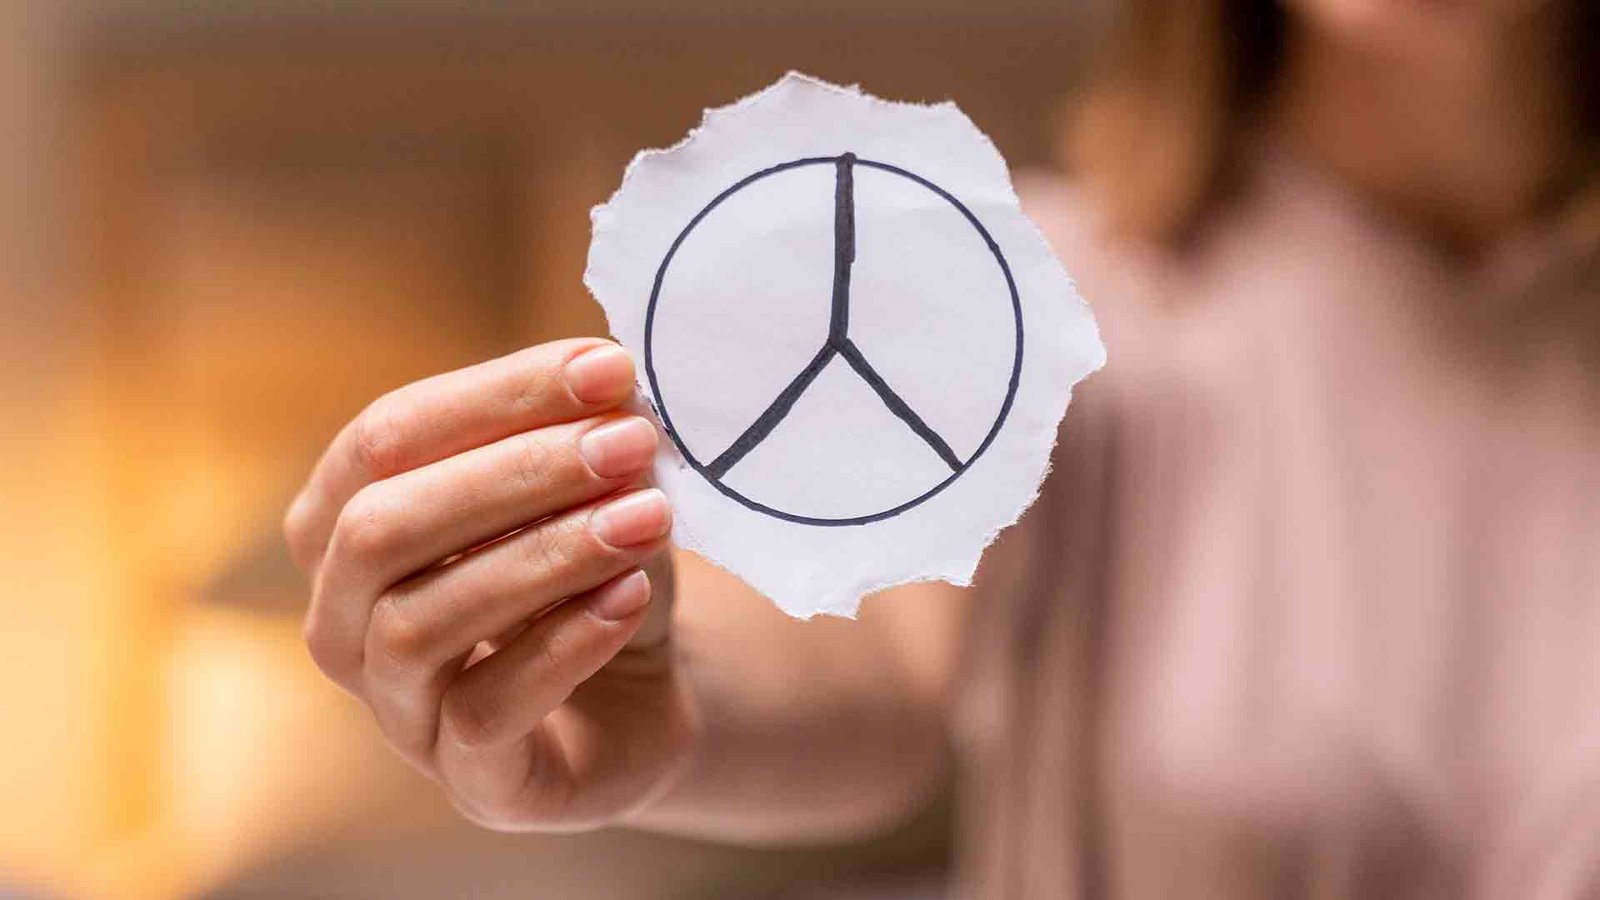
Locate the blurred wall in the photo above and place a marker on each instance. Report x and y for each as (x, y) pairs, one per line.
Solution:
(54, 789)
(227, 226)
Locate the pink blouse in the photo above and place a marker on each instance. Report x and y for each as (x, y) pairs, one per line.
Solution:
(1310, 606)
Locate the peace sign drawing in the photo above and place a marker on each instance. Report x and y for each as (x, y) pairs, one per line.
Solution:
(857, 347)
(836, 346)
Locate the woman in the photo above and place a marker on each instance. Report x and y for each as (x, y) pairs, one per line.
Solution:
(1309, 605)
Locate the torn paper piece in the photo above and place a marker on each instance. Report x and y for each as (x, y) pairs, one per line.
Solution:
(858, 345)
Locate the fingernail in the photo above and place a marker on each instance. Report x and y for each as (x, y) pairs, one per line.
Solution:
(619, 448)
(635, 519)
(622, 598)
(603, 374)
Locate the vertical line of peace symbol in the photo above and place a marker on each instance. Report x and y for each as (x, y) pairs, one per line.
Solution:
(836, 344)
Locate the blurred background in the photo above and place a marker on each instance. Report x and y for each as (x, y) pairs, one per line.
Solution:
(224, 227)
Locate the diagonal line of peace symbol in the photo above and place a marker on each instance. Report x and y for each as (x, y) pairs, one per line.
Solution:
(836, 345)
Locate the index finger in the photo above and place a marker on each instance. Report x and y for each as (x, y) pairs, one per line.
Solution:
(447, 414)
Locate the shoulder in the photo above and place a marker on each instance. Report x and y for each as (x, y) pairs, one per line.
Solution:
(1122, 280)
(1060, 209)
(1115, 274)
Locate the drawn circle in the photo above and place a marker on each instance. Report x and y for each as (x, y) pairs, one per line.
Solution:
(660, 403)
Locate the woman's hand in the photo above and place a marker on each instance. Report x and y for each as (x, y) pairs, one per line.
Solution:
(483, 556)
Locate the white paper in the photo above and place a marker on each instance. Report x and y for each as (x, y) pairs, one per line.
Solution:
(849, 254)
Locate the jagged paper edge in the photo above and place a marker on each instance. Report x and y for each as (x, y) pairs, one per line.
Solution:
(684, 534)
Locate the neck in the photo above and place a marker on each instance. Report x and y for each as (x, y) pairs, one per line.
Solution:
(1464, 140)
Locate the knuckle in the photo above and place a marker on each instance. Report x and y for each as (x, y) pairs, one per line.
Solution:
(326, 650)
(399, 634)
(474, 717)
(296, 531)
(365, 530)
(539, 387)
(553, 550)
(552, 657)
(379, 438)
(533, 462)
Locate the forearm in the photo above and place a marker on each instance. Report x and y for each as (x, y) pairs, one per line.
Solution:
(809, 730)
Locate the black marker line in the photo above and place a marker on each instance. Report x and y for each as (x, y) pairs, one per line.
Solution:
(844, 245)
(853, 355)
(826, 354)
(769, 419)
